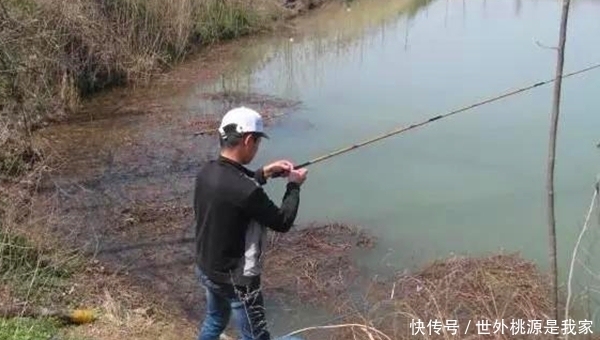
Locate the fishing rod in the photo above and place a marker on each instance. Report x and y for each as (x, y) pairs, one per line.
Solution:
(436, 118)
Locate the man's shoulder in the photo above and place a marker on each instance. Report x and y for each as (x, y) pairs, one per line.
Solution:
(248, 182)
(227, 175)
(208, 164)
(205, 168)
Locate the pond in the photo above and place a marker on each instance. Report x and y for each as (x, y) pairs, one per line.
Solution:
(471, 183)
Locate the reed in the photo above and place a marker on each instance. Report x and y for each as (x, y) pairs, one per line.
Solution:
(55, 53)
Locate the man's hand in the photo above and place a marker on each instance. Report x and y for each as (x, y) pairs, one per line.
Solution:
(297, 176)
(278, 169)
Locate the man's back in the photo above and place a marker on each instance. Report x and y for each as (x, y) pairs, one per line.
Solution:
(222, 191)
(232, 216)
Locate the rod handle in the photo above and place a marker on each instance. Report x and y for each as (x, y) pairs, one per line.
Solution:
(299, 166)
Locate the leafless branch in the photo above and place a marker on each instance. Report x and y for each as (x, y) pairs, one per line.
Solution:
(552, 157)
(537, 42)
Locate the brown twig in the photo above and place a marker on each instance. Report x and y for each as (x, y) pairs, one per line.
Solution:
(552, 156)
(354, 325)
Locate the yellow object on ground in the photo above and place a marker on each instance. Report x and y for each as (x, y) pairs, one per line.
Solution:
(81, 316)
(75, 316)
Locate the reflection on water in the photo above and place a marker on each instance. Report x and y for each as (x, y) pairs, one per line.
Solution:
(470, 184)
(337, 33)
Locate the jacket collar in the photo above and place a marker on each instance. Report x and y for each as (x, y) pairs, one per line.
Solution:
(236, 165)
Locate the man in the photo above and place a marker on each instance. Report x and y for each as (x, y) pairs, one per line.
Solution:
(232, 214)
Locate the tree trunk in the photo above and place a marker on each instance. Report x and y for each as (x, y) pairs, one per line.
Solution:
(551, 155)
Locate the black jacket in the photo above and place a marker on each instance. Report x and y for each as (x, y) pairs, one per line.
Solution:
(232, 214)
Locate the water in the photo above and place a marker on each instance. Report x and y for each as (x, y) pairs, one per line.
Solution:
(470, 184)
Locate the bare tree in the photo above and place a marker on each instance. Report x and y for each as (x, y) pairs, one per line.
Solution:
(552, 151)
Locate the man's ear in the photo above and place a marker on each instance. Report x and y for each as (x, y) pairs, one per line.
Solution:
(246, 139)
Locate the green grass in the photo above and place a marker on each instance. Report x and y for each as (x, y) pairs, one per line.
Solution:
(31, 329)
(32, 274)
(28, 329)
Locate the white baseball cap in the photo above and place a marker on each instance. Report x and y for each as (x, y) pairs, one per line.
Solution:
(245, 120)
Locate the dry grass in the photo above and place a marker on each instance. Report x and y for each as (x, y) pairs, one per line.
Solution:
(121, 318)
(31, 271)
(36, 276)
(312, 265)
(53, 53)
(467, 292)
(31, 276)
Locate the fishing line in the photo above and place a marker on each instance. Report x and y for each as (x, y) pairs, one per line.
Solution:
(438, 117)
(391, 133)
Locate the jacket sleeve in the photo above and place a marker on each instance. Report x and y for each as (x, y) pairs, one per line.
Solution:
(260, 208)
(259, 176)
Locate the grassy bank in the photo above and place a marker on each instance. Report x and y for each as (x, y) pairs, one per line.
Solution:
(53, 53)
(27, 329)
(500, 296)
(29, 277)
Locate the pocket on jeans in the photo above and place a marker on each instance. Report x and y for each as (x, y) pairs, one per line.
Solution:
(204, 280)
(222, 289)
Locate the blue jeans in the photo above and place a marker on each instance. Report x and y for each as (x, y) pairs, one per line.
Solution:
(245, 303)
